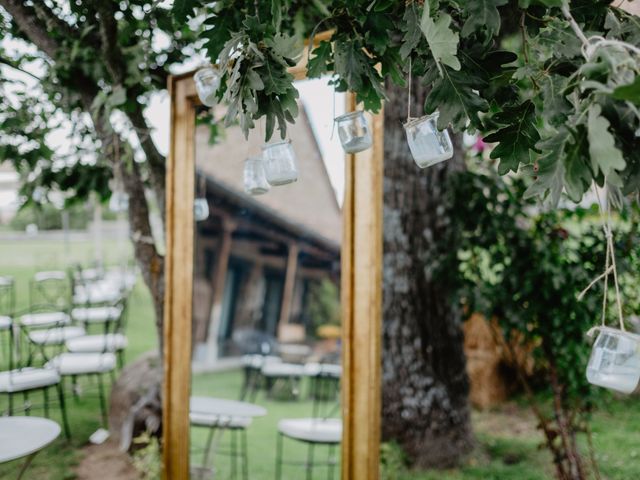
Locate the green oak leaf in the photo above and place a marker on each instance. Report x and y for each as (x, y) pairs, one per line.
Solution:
(182, 9)
(630, 92)
(318, 63)
(605, 156)
(516, 138)
(549, 176)
(349, 63)
(411, 28)
(577, 177)
(482, 15)
(284, 47)
(442, 41)
(456, 99)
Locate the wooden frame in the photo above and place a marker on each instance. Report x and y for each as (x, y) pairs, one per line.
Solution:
(361, 291)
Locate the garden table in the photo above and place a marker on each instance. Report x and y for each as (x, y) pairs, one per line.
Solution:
(25, 437)
(219, 414)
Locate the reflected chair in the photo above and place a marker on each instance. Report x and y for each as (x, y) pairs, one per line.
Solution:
(320, 430)
(237, 427)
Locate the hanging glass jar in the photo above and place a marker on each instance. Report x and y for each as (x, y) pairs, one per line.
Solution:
(354, 132)
(119, 201)
(279, 161)
(207, 83)
(200, 209)
(428, 145)
(615, 360)
(255, 182)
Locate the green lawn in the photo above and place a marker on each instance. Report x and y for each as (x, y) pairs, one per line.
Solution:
(507, 442)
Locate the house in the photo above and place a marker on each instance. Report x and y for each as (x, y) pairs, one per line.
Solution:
(257, 256)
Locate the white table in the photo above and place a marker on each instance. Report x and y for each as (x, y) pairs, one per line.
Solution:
(25, 437)
(218, 414)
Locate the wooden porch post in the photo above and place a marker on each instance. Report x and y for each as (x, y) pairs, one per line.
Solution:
(289, 285)
(219, 281)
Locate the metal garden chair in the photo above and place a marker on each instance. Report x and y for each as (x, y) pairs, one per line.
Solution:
(23, 379)
(320, 430)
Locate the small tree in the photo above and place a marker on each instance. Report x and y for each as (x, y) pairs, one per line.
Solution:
(525, 266)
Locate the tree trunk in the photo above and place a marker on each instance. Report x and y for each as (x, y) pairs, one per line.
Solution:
(425, 386)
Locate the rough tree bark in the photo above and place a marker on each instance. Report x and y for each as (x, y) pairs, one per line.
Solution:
(425, 386)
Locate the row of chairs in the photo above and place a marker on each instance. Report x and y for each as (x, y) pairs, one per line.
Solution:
(73, 328)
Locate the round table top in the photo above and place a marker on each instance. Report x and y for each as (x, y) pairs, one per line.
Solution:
(227, 408)
(22, 436)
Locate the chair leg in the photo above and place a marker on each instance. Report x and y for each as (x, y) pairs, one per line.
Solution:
(330, 463)
(310, 461)
(279, 457)
(10, 404)
(103, 403)
(245, 455)
(27, 406)
(207, 450)
(63, 410)
(234, 453)
(45, 395)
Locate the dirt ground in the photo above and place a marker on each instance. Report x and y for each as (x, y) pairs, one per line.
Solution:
(105, 462)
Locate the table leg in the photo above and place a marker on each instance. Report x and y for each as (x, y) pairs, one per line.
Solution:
(26, 464)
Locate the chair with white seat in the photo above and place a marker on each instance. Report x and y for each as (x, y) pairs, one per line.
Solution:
(46, 327)
(75, 365)
(318, 430)
(20, 379)
(50, 288)
(110, 318)
(235, 426)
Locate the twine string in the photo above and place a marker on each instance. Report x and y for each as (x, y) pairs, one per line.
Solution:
(610, 268)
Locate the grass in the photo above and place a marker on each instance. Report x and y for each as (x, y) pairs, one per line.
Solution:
(507, 441)
(21, 260)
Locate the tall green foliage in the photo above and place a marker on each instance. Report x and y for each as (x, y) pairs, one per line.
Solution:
(515, 70)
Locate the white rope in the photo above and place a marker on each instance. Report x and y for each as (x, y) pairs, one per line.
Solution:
(409, 95)
(591, 44)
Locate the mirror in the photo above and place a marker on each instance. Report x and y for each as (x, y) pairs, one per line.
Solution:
(266, 360)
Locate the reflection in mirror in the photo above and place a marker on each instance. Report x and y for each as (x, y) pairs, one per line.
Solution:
(266, 312)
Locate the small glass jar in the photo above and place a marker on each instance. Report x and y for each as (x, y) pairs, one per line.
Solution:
(428, 145)
(200, 209)
(354, 132)
(207, 83)
(255, 182)
(615, 360)
(119, 202)
(279, 161)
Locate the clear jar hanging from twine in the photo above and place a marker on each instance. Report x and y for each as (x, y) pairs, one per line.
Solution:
(207, 81)
(255, 181)
(200, 209)
(279, 161)
(428, 145)
(615, 360)
(354, 132)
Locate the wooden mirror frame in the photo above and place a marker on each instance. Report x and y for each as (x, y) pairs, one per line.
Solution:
(361, 290)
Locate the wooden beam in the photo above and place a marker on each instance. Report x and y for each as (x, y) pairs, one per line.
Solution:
(289, 285)
(179, 284)
(362, 308)
(219, 282)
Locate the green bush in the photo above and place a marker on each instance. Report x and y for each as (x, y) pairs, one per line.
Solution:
(47, 217)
